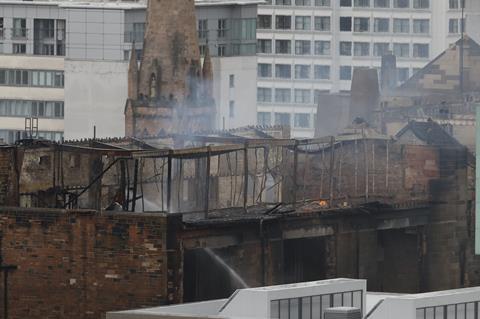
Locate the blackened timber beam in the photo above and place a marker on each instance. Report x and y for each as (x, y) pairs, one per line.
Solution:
(92, 182)
(135, 182)
(207, 185)
(169, 182)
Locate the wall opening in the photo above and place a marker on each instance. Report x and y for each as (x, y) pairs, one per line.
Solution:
(304, 259)
(208, 276)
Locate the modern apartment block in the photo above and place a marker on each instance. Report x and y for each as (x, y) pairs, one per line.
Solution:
(63, 64)
(309, 47)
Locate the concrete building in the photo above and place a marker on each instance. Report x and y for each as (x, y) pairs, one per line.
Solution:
(85, 47)
(308, 47)
(316, 300)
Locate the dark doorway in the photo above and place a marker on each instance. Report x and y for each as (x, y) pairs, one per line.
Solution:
(304, 259)
(206, 276)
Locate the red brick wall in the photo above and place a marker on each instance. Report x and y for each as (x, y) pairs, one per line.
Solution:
(82, 264)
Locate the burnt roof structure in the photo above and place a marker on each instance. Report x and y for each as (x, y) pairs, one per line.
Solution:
(429, 132)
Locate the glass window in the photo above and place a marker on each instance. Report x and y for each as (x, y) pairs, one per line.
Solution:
(282, 119)
(265, 119)
(302, 96)
(322, 3)
(337, 300)
(420, 50)
(322, 23)
(322, 47)
(306, 308)
(345, 23)
(264, 21)
(453, 26)
(421, 4)
(322, 72)
(347, 299)
(470, 311)
(282, 95)
(302, 47)
(382, 3)
(3, 77)
(283, 71)
(264, 46)
(264, 70)
(345, 3)
(420, 313)
(361, 24)
(283, 47)
(429, 313)
(380, 49)
(284, 309)
(362, 3)
(302, 120)
(345, 72)
(302, 2)
(421, 26)
(345, 48)
(381, 25)
(401, 50)
(294, 309)
(439, 312)
(302, 71)
(357, 299)
(327, 302)
(202, 28)
(316, 307)
(401, 25)
(361, 49)
(303, 23)
(283, 22)
(453, 4)
(461, 311)
(401, 3)
(264, 94)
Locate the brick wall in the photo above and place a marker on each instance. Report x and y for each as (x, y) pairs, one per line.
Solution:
(81, 264)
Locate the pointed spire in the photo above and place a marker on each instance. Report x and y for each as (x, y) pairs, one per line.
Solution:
(133, 75)
(207, 73)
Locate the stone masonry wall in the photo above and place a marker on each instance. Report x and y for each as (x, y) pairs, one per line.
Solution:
(81, 264)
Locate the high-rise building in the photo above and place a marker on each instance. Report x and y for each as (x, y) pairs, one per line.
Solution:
(64, 64)
(309, 47)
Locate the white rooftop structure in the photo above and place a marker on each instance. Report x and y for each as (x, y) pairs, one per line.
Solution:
(309, 300)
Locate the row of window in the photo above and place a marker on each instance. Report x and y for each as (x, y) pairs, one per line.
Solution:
(470, 310)
(40, 109)
(313, 307)
(346, 48)
(300, 120)
(359, 24)
(11, 136)
(32, 78)
(401, 4)
(48, 36)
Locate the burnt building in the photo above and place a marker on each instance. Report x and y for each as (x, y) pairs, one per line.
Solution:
(171, 91)
(101, 225)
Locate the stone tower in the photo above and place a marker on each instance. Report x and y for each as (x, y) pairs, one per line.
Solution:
(169, 93)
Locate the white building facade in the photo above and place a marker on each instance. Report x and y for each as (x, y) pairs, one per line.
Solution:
(63, 64)
(307, 47)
